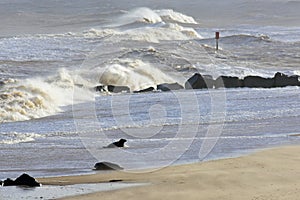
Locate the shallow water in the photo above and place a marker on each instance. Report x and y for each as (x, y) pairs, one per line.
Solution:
(55, 192)
(160, 129)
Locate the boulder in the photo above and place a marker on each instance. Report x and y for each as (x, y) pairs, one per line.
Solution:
(169, 86)
(228, 82)
(209, 81)
(27, 180)
(258, 82)
(107, 166)
(118, 89)
(197, 81)
(149, 89)
(99, 88)
(23, 180)
(282, 80)
(8, 182)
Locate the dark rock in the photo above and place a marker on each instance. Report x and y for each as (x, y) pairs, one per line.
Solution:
(27, 180)
(115, 180)
(118, 89)
(197, 81)
(120, 143)
(149, 89)
(258, 82)
(107, 166)
(169, 86)
(99, 88)
(210, 82)
(282, 80)
(23, 180)
(8, 182)
(228, 82)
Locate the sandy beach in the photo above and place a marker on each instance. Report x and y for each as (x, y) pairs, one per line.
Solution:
(269, 174)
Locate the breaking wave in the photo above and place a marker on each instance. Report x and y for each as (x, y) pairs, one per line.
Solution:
(147, 15)
(144, 24)
(135, 74)
(37, 97)
(141, 48)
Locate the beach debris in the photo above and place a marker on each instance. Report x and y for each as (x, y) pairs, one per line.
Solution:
(107, 166)
(23, 180)
(120, 143)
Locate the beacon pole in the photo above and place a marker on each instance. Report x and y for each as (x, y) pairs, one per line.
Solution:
(217, 40)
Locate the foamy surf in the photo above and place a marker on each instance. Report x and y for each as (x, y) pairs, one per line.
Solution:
(37, 97)
(139, 48)
(15, 137)
(135, 74)
(134, 25)
(147, 15)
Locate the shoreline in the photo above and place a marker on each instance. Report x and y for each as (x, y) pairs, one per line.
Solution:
(267, 174)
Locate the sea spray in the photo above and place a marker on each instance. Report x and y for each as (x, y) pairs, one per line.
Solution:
(15, 137)
(169, 14)
(142, 14)
(135, 74)
(37, 97)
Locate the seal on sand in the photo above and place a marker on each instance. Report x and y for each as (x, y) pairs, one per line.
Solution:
(120, 143)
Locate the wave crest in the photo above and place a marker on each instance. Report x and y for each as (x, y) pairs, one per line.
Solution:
(37, 97)
(135, 74)
(169, 14)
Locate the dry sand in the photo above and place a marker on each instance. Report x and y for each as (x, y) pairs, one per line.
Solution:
(267, 175)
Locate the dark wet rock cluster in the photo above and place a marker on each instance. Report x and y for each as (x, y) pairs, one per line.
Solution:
(199, 81)
(23, 180)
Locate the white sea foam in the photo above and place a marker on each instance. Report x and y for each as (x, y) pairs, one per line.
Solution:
(169, 14)
(147, 15)
(168, 32)
(139, 15)
(15, 138)
(135, 74)
(166, 28)
(38, 97)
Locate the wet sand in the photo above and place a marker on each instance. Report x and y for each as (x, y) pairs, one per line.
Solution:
(269, 174)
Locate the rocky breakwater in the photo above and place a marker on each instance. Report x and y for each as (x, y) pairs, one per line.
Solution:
(198, 81)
